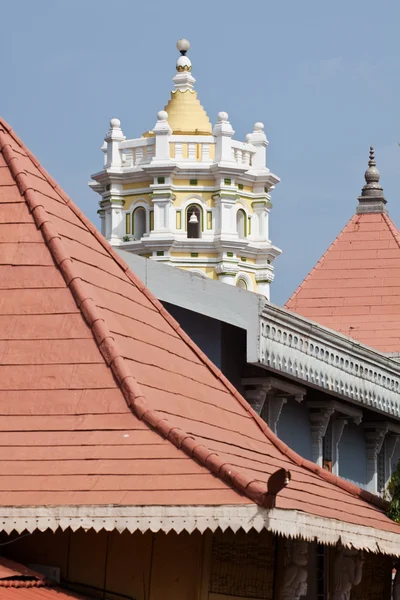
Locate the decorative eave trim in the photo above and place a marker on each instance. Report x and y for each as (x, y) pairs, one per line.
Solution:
(289, 523)
(308, 352)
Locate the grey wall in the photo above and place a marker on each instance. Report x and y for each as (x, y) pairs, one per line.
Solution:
(204, 331)
(353, 455)
(223, 343)
(294, 427)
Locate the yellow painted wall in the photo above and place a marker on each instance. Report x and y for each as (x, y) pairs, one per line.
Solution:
(181, 197)
(187, 254)
(247, 203)
(209, 271)
(129, 200)
(200, 182)
(249, 261)
(136, 186)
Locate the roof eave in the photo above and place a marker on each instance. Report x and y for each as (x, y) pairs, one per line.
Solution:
(288, 523)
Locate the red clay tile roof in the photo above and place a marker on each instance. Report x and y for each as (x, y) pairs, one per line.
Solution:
(355, 287)
(17, 581)
(104, 400)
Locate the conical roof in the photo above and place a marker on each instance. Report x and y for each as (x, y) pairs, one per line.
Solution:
(107, 407)
(355, 287)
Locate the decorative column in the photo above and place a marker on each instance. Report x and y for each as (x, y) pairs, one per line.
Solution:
(375, 435)
(113, 138)
(255, 392)
(268, 395)
(390, 447)
(348, 570)
(338, 425)
(294, 585)
(319, 418)
(326, 441)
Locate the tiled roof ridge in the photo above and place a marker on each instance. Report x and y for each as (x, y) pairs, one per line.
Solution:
(136, 400)
(252, 488)
(392, 228)
(319, 264)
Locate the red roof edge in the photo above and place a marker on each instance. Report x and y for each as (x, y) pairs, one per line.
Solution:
(253, 489)
(292, 299)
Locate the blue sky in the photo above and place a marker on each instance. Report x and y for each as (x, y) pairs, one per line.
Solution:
(324, 77)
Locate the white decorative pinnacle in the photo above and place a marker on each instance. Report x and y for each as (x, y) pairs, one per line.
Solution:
(183, 79)
(113, 137)
(162, 131)
(223, 133)
(115, 131)
(162, 126)
(223, 117)
(259, 140)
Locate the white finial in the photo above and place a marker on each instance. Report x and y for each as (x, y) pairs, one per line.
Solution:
(162, 115)
(113, 137)
(183, 80)
(223, 117)
(183, 45)
(259, 140)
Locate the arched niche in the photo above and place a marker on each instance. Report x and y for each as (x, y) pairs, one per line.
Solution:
(194, 221)
(241, 223)
(139, 222)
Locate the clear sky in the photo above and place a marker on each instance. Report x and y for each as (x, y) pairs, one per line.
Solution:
(323, 76)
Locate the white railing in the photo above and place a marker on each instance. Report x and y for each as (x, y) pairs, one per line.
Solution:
(195, 148)
(137, 152)
(324, 359)
(242, 153)
(199, 148)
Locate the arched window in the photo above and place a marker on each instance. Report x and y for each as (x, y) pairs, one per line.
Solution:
(241, 222)
(138, 222)
(193, 221)
(241, 284)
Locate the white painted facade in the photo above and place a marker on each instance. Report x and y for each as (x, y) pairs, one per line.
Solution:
(233, 205)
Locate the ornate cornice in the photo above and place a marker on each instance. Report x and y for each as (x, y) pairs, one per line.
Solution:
(307, 352)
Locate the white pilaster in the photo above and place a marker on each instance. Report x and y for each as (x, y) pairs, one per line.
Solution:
(260, 222)
(225, 225)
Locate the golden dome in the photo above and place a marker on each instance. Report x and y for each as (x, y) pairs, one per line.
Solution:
(186, 115)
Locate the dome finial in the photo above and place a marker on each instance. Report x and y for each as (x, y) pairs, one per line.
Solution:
(183, 46)
(183, 80)
(371, 199)
(183, 63)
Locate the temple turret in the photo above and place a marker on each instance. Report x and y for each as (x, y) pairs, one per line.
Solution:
(188, 194)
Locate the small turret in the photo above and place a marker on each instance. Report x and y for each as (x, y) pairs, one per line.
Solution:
(371, 199)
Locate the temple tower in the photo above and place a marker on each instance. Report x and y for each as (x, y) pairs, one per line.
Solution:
(187, 194)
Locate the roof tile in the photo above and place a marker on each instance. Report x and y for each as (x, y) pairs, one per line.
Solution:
(95, 374)
(357, 277)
